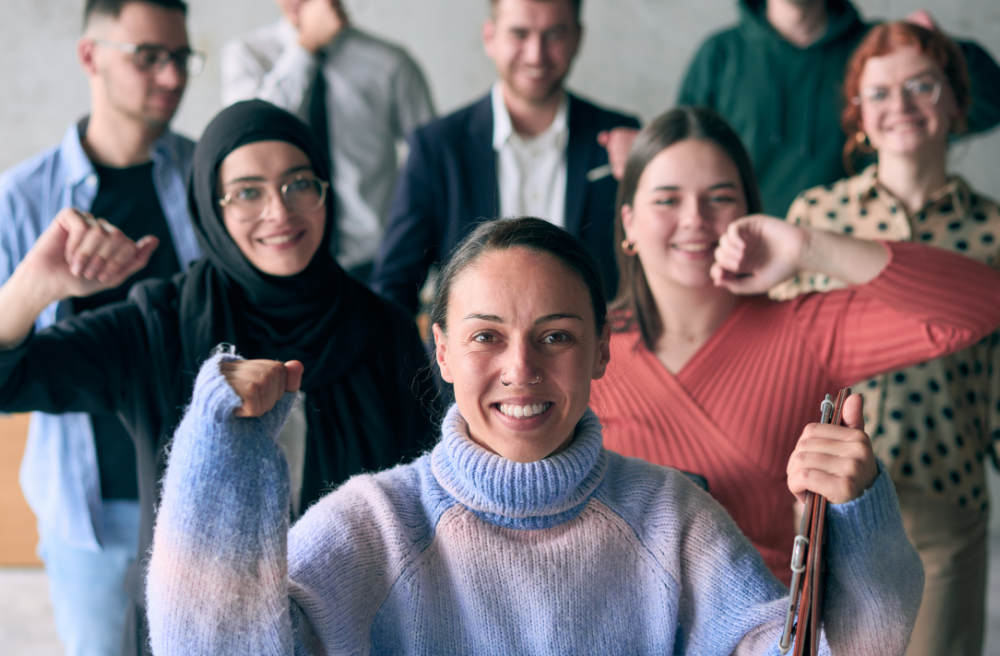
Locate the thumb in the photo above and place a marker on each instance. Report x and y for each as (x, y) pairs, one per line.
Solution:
(294, 380)
(603, 138)
(144, 250)
(145, 247)
(853, 413)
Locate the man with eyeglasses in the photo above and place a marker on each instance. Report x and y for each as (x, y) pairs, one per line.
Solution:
(360, 94)
(123, 164)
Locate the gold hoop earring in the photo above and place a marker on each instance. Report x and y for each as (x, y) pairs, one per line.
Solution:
(861, 139)
(629, 248)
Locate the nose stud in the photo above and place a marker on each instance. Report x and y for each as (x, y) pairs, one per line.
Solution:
(503, 382)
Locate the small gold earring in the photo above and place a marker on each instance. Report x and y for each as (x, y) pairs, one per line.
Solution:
(629, 247)
(864, 145)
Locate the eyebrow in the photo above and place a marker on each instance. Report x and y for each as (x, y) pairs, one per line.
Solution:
(540, 320)
(260, 178)
(928, 71)
(721, 185)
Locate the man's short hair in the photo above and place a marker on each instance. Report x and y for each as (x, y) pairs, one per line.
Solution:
(113, 8)
(576, 7)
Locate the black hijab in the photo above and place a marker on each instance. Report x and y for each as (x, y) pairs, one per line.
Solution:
(312, 316)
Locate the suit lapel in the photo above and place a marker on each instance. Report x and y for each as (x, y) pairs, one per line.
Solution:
(578, 152)
(482, 173)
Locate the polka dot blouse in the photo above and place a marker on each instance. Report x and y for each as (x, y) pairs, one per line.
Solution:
(934, 424)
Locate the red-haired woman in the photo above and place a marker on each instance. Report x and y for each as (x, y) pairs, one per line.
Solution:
(907, 93)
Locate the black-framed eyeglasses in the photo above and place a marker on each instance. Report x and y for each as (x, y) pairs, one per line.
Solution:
(149, 57)
(249, 201)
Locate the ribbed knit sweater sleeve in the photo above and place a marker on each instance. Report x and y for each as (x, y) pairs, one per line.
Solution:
(904, 316)
(728, 603)
(217, 580)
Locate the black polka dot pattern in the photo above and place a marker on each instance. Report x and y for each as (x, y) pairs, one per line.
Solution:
(931, 424)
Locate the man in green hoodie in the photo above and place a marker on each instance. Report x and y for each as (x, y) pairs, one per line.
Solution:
(777, 78)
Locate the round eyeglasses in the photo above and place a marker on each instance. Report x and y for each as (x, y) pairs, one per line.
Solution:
(149, 57)
(249, 201)
(924, 91)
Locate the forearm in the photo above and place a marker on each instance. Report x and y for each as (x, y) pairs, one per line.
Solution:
(22, 300)
(876, 578)
(853, 261)
(217, 580)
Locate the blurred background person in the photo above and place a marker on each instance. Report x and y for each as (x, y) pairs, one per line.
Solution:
(361, 95)
(123, 163)
(527, 147)
(776, 78)
(935, 425)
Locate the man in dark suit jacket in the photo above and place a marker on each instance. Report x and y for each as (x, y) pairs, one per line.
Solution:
(512, 152)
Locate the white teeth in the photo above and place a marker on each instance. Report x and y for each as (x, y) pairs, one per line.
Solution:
(280, 239)
(692, 248)
(524, 411)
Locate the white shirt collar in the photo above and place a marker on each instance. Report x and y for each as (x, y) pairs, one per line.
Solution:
(503, 129)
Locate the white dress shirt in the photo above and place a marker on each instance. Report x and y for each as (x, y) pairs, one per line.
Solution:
(376, 95)
(531, 171)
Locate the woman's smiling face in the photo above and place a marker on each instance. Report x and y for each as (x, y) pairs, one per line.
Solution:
(906, 103)
(522, 316)
(276, 238)
(685, 199)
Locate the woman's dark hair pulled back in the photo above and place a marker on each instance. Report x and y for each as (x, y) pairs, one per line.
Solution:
(525, 232)
(634, 303)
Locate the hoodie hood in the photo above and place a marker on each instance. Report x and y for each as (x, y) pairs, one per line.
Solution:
(842, 31)
(844, 23)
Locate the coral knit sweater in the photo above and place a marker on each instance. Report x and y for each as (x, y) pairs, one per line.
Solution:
(735, 411)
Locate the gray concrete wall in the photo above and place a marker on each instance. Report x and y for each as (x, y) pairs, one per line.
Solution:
(633, 56)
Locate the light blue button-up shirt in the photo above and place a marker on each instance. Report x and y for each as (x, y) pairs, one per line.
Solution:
(59, 473)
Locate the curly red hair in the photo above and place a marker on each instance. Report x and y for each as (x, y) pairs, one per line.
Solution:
(884, 39)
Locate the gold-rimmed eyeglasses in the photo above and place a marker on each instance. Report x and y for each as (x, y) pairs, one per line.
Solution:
(922, 90)
(150, 57)
(249, 201)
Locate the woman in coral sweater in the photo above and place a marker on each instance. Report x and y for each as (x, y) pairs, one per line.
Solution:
(712, 382)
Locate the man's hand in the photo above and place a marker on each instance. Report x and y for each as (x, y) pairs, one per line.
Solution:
(922, 18)
(835, 461)
(261, 383)
(79, 255)
(618, 142)
(319, 22)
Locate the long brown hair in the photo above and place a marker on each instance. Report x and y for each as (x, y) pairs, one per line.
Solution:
(634, 303)
(884, 39)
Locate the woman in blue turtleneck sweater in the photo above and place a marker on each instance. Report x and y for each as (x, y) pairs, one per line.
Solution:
(519, 532)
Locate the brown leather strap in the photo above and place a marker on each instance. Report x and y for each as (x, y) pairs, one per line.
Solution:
(810, 617)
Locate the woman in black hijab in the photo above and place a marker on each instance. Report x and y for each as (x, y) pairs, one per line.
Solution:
(268, 285)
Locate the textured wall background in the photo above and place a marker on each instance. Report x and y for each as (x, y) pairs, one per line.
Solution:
(633, 56)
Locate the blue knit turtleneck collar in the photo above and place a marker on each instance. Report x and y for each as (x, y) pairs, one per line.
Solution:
(520, 495)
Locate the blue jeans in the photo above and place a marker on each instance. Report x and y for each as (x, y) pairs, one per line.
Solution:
(86, 586)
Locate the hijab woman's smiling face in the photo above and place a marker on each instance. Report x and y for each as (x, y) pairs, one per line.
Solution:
(523, 316)
(278, 237)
